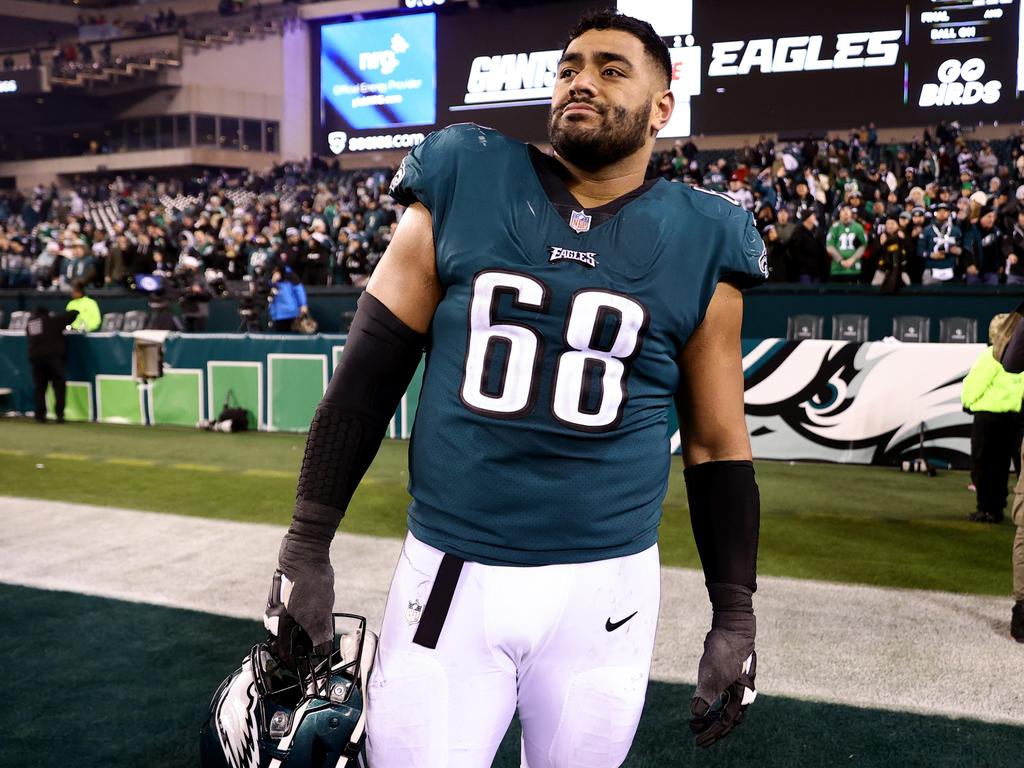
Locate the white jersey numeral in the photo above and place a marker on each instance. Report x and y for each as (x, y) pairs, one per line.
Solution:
(603, 333)
(513, 394)
(588, 360)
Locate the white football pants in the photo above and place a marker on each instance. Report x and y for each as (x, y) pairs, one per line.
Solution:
(568, 645)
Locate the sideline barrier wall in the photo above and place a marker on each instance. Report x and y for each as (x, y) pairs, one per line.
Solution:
(870, 403)
(765, 308)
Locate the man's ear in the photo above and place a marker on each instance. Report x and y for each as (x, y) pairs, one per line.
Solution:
(661, 110)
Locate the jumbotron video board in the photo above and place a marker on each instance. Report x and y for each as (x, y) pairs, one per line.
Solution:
(384, 82)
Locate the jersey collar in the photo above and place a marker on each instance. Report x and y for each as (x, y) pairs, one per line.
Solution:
(551, 175)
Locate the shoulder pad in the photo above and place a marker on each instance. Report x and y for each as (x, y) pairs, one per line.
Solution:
(713, 204)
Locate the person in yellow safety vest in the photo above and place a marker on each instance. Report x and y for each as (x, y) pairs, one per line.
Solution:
(994, 397)
(89, 317)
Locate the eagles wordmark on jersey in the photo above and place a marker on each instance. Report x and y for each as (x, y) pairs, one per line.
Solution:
(541, 435)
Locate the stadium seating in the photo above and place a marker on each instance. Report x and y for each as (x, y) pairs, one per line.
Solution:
(112, 321)
(134, 321)
(958, 330)
(19, 321)
(800, 327)
(912, 328)
(848, 327)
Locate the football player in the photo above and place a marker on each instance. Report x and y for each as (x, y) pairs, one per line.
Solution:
(564, 304)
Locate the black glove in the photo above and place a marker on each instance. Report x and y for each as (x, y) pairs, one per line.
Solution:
(725, 677)
(299, 615)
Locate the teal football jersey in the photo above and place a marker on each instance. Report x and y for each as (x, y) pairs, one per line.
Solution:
(541, 432)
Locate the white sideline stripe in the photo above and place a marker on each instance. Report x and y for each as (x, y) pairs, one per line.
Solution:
(904, 650)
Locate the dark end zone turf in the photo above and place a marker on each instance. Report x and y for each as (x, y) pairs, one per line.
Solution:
(98, 682)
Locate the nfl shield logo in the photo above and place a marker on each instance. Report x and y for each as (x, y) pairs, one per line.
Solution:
(413, 612)
(579, 221)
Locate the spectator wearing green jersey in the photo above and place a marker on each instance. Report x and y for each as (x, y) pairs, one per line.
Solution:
(845, 243)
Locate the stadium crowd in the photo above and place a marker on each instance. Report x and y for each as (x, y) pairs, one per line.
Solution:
(311, 220)
(940, 209)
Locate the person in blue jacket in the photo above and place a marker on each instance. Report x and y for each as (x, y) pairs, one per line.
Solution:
(287, 299)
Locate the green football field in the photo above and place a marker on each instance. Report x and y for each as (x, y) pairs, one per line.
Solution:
(858, 524)
(104, 682)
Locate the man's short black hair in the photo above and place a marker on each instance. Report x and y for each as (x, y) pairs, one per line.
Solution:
(641, 30)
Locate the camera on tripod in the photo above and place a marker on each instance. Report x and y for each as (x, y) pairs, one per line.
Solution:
(252, 300)
(161, 292)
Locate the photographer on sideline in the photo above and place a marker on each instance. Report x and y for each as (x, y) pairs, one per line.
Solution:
(195, 295)
(287, 299)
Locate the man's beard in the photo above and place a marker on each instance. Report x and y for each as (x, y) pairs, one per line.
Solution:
(618, 134)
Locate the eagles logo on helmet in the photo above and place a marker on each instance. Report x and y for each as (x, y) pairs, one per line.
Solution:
(265, 715)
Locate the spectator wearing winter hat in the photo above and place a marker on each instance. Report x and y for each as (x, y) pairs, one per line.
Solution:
(120, 256)
(917, 197)
(940, 246)
(987, 161)
(889, 256)
(77, 266)
(320, 251)
(739, 192)
(984, 260)
(15, 263)
(1013, 247)
(778, 255)
(804, 201)
(945, 195)
(907, 183)
(46, 266)
(785, 225)
(965, 213)
(808, 257)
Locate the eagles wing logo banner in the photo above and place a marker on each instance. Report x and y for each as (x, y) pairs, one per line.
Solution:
(858, 403)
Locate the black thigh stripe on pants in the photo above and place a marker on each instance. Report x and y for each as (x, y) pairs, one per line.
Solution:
(438, 601)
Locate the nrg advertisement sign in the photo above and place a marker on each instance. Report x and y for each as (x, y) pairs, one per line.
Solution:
(379, 73)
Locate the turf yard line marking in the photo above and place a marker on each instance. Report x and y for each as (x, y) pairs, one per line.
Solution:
(903, 650)
(12, 452)
(269, 473)
(67, 456)
(126, 462)
(198, 467)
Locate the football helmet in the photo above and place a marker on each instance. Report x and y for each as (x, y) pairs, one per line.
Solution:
(266, 715)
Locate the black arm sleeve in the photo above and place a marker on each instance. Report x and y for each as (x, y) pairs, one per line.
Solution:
(1013, 356)
(725, 512)
(380, 357)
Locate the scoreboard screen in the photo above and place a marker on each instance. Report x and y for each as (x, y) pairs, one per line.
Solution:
(386, 82)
